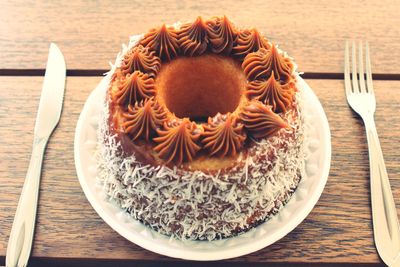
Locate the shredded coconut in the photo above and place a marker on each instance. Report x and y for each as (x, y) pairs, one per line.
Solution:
(197, 205)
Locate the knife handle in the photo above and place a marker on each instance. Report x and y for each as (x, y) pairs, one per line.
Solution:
(21, 236)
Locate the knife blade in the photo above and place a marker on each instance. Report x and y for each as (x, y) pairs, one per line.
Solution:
(49, 112)
(51, 100)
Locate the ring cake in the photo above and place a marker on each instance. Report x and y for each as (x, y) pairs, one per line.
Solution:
(202, 133)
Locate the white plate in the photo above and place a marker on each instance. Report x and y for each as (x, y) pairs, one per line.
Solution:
(291, 215)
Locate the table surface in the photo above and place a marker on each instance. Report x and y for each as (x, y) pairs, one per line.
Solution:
(69, 232)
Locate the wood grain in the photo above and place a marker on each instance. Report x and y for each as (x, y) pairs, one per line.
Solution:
(90, 32)
(337, 230)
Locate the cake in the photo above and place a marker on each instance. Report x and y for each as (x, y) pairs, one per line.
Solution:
(202, 134)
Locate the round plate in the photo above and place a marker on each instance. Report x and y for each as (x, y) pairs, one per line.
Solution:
(318, 147)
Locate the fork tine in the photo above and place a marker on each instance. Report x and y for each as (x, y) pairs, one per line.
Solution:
(347, 83)
(354, 68)
(368, 70)
(361, 68)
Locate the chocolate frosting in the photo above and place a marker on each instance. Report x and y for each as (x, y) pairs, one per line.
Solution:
(271, 92)
(260, 120)
(193, 38)
(135, 87)
(143, 119)
(142, 59)
(177, 141)
(163, 40)
(222, 35)
(259, 65)
(249, 41)
(223, 135)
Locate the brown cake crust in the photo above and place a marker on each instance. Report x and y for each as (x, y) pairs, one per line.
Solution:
(218, 83)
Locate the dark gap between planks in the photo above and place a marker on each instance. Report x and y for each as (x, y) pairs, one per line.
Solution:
(72, 262)
(100, 72)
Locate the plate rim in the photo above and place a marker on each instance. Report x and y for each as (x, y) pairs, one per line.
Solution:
(205, 255)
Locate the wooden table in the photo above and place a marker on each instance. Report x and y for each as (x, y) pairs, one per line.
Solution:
(70, 233)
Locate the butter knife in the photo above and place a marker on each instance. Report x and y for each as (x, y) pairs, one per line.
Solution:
(50, 106)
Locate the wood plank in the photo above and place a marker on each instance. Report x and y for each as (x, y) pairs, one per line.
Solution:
(90, 33)
(337, 230)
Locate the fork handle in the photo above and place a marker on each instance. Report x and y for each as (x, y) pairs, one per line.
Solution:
(384, 213)
(22, 231)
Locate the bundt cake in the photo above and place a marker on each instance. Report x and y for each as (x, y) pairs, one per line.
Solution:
(202, 133)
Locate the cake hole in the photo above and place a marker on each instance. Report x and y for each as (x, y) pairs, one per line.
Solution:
(200, 87)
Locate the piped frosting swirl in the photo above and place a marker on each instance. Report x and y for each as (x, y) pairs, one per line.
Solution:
(177, 141)
(143, 119)
(260, 120)
(271, 92)
(193, 38)
(269, 88)
(249, 41)
(222, 35)
(223, 135)
(259, 65)
(142, 59)
(163, 40)
(135, 87)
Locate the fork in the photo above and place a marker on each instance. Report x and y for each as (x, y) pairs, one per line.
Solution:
(361, 98)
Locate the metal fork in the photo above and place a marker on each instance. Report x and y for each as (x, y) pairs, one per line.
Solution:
(361, 98)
